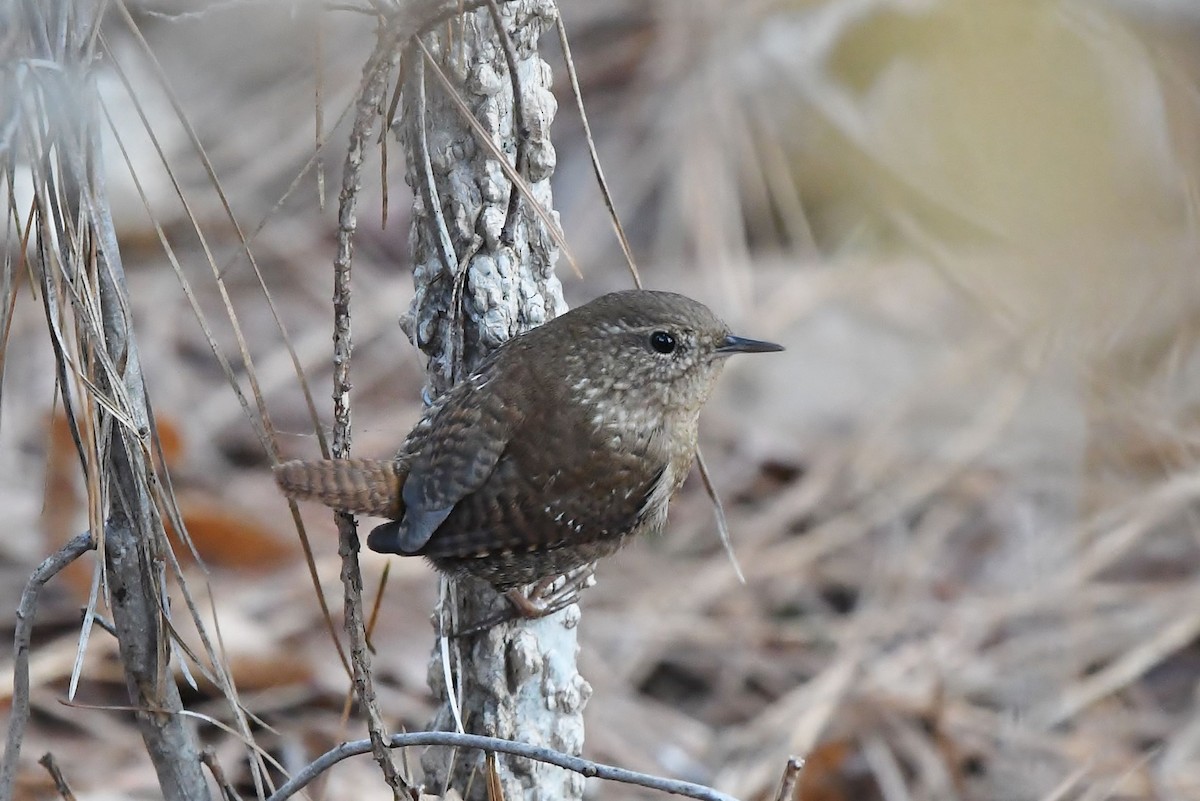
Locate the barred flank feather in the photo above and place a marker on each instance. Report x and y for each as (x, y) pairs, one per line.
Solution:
(360, 486)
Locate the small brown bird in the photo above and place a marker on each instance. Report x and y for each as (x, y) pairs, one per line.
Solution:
(569, 440)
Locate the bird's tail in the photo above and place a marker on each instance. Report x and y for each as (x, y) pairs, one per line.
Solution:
(359, 486)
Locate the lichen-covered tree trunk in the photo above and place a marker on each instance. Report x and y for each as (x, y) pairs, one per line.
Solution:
(479, 282)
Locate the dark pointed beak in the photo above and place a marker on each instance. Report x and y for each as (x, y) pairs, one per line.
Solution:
(734, 344)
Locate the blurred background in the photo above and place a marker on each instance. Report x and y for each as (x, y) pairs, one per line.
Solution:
(964, 498)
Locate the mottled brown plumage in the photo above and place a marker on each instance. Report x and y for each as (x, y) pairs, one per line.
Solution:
(567, 441)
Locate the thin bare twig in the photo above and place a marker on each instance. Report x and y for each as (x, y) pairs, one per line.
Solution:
(378, 605)
(719, 512)
(594, 156)
(507, 234)
(56, 775)
(583, 767)
(790, 781)
(424, 176)
(367, 109)
(209, 757)
(319, 105)
(26, 611)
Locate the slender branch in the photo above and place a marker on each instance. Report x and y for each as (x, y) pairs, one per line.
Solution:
(719, 512)
(56, 775)
(790, 782)
(209, 757)
(626, 248)
(26, 611)
(519, 123)
(367, 110)
(583, 767)
(428, 185)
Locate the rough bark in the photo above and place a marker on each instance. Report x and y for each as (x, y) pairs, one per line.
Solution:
(479, 282)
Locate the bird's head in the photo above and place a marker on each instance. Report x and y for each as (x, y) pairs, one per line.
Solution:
(639, 347)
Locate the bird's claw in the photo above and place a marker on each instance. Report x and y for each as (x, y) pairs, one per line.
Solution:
(548, 596)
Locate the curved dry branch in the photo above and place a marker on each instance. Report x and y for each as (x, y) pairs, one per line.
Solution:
(26, 612)
(581, 766)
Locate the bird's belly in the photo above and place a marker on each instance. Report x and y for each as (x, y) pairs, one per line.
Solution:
(506, 570)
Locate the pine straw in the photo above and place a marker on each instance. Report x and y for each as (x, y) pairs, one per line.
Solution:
(970, 549)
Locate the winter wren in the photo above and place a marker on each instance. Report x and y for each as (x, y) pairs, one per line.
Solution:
(569, 440)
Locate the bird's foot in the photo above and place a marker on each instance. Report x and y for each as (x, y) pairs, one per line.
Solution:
(550, 595)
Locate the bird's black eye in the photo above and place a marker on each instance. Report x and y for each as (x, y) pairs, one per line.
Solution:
(662, 341)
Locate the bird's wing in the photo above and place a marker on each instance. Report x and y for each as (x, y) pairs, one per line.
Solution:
(454, 450)
(584, 495)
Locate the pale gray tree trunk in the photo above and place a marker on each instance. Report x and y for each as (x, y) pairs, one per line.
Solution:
(479, 282)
